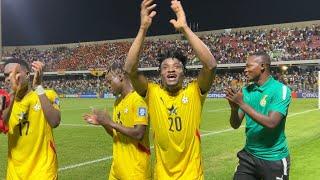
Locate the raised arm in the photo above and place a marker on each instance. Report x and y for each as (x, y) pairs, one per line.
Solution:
(138, 81)
(207, 73)
(51, 114)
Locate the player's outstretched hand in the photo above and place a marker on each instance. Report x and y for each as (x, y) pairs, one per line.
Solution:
(234, 98)
(147, 13)
(180, 23)
(98, 117)
(91, 119)
(37, 67)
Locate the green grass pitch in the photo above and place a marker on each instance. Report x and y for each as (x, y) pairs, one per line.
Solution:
(85, 152)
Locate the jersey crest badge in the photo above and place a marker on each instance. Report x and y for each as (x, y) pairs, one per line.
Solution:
(185, 100)
(263, 101)
(37, 107)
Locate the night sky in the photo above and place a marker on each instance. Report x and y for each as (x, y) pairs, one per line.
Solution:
(35, 22)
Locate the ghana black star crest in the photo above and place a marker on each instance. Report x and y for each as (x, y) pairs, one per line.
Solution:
(22, 116)
(172, 110)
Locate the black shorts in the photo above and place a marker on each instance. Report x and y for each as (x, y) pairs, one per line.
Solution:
(252, 168)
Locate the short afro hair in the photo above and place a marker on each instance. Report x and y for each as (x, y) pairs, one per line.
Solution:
(172, 53)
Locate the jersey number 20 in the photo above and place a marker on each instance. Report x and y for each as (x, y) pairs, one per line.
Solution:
(175, 123)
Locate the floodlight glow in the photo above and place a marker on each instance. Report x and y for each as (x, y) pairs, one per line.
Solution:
(284, 68)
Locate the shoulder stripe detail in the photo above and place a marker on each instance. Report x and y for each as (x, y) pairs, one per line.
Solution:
(284, 92)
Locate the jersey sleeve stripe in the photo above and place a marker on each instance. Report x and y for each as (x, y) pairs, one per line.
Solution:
(284, 92)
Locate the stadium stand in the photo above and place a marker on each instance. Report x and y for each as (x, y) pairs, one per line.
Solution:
(78, 68)
(283, 44)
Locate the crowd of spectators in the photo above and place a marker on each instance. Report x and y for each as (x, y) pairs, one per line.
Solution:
(298, 81)
(83, 85)
(301, 82)
(282, 44)
(228, 47)
(306, 81)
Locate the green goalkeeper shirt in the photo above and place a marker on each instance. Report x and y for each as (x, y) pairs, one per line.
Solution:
(263, 142)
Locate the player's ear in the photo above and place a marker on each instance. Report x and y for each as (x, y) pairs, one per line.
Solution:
(263, 67)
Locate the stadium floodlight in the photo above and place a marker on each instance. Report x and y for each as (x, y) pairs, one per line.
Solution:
(284, 68)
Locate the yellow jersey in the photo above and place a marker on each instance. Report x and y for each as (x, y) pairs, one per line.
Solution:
(175, 121)
(131, 158)
(31, 153)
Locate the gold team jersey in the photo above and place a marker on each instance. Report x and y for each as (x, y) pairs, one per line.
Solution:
(31, 153)
(131, 158)
(175, 121)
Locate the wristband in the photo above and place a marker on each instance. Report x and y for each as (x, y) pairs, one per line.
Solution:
(39, 90)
